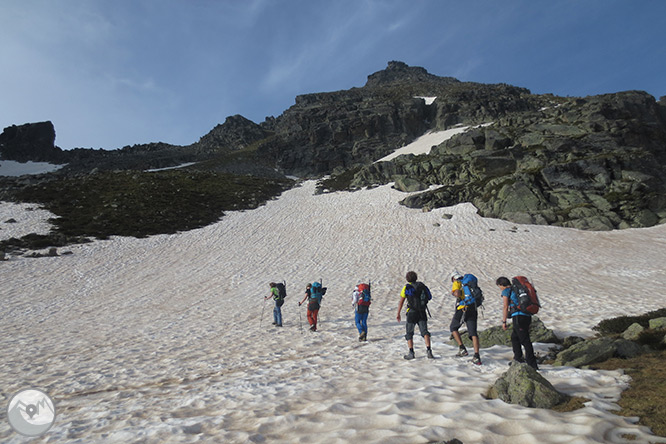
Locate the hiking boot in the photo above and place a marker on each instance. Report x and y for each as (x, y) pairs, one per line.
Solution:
(430, 356)
(476, 360)
(462, 351)
(409, 355)
(516, 361)
(363, 337)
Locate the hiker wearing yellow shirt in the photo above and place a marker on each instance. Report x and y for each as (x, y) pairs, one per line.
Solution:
(465, 312)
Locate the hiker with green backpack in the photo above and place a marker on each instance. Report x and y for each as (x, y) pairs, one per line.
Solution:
(278, 293)
(417, 296)
(469, 297)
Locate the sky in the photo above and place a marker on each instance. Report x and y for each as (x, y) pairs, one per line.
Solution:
(111, 74)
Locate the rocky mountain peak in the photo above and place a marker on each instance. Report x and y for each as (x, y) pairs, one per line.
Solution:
(400, 72)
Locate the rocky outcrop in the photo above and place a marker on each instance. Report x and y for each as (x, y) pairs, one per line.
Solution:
(497, 336)
(234, 134)
(522, 385)
(597, 163)
(30, 142)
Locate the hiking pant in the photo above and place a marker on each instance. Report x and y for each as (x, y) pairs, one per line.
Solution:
(277, 314)
(520, 335)
(414, 319)
(362, 322)
(469, 317)
(312, 317)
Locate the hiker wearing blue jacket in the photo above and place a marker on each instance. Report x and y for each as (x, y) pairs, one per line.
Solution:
(520, 323)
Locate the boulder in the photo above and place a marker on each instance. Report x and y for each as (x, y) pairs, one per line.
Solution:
(626, 349)
(632, 333)
(523, 385)
(408, 185)
(658, 323)
(497, 336)
(587, 352)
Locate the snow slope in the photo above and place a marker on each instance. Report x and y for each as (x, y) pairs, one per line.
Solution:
(168, 339)
(162, 339)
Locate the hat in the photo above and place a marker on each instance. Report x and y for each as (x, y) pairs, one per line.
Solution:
(456, 275)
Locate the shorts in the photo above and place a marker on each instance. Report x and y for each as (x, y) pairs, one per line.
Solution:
(414, 319)
(469, 317)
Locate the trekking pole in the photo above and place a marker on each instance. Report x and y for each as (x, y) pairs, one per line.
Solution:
(300, 320)
(262, 313)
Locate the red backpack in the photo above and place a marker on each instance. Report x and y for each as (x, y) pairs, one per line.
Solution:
(364, 297)
(528, 301)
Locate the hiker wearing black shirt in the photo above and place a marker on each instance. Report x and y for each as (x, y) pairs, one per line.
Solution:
(417, 296)
(520, 324)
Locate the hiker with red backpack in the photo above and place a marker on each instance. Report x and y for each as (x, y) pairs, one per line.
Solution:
(417, 296)
(518, 301)
(469, 297)
(361, 302)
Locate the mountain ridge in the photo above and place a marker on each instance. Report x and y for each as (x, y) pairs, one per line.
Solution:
(595, 163)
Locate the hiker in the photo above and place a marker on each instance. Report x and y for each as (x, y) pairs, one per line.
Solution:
(277, 309)
(465, 312)
(417, 296)
(361, 304)
(520, 322)
(313, 294)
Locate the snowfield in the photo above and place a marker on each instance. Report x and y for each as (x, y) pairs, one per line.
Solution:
(168, 338)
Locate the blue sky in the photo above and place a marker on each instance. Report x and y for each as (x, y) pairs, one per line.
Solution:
(121, 72)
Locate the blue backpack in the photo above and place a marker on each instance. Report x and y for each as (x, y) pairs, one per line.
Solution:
(317, 291)
(472, 291)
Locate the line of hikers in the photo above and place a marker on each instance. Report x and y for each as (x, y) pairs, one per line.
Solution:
(519, 302)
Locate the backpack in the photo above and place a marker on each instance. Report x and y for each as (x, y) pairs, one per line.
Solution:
(282, 290)
(364, 297)
(528, 301)
(472, 283)
(317, 291)
(418, 296)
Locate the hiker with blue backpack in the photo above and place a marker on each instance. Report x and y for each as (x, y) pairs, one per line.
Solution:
(313, 294)
(361, 299)
(521, 318)
(469, 297)
(417, 296)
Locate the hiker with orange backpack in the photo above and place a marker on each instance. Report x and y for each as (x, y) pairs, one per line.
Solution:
(521, 319)
(361, 302)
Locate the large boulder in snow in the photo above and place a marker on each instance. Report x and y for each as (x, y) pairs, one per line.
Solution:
(524, 386)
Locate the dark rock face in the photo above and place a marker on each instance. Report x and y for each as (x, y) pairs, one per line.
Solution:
(30, 142)
(597, 163)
